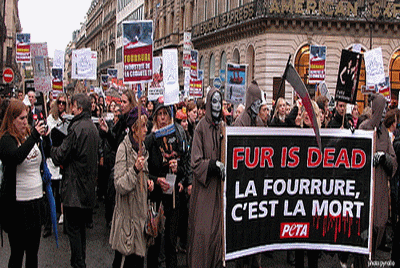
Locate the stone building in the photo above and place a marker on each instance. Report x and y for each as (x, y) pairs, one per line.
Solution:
(10, 25)
(263, 33)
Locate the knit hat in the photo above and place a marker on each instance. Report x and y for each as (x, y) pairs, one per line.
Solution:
(133, 116)
(160, 104)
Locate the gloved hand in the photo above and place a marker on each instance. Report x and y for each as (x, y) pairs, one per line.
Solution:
(221, 167)
(379, 158)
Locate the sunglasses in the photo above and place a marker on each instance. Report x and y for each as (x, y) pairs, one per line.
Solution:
(62, 102)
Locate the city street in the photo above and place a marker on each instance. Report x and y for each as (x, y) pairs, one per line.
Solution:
(99, 253)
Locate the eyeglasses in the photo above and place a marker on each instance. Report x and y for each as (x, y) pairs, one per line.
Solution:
(61, 102)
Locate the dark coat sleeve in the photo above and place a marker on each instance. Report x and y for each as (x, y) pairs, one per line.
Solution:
(11, 153)
(61, 154)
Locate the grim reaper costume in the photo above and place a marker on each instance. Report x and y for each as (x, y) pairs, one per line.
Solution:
(205, 212)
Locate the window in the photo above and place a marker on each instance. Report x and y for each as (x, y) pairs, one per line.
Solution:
(119, 55)
(205, 10)
(250, 55)
(222, 62)
(215, 8)
(212, 70)
(301, 63)
(236, 56)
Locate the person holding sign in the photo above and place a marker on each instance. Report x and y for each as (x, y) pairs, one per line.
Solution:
(168, 159)
(205, 211)
(385, 164)
(131, 186)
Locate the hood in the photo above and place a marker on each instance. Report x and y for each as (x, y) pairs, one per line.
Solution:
(253, 93)
(208, 103)
(378, 105)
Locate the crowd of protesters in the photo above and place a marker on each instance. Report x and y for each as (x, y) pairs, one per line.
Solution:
(111, 153)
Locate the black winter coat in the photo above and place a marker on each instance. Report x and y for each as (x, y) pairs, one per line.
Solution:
(78, 155)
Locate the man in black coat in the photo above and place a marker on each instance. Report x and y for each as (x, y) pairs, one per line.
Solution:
(78, 154)
(337, 120)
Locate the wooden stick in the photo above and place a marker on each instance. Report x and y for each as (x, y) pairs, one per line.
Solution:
(140, 153)
(373, 194)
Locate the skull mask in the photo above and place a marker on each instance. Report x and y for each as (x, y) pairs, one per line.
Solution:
(216, 106)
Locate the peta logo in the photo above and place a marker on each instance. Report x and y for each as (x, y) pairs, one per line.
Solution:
(294, 230)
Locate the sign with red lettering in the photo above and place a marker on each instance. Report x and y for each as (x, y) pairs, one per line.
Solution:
(138, 51)
(283, 192)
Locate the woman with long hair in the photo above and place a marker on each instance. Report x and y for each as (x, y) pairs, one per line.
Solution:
(21, 189)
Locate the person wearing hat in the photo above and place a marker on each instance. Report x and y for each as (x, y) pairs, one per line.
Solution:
(181, 118)
(131, 194)
(168, 154)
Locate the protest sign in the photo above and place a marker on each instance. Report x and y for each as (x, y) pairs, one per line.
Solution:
(57, 81)
(316, 72)
(375, 73)
(194, 64)
(170, 76)
(187, 47)
(282, 192)
(84, 64)
(58, 61)
(112, 73)
(23, 51)
(348, 76)
(156, 88)
(138, 51)
(196, 88)
(42, 76)
(235, 91)
(39, 49)
(384, 89)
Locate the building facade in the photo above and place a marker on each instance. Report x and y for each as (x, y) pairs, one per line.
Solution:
(9, 26)
(263, 33)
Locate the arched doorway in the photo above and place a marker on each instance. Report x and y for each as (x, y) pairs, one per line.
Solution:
(394, 74)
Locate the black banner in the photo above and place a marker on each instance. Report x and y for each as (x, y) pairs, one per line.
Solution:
(282, 192)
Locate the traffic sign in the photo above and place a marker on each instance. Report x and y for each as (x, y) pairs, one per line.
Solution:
(8, 75)
(217, 82)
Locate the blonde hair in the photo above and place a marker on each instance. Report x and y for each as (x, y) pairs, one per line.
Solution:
(277, 106)
(316, 111)
(54, 106)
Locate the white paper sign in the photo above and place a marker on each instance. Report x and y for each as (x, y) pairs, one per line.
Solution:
(170, 76)
(84, 64)
(170, 178)
(375, 73)
(58, 61)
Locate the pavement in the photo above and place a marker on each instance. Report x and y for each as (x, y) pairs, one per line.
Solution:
(100, 254)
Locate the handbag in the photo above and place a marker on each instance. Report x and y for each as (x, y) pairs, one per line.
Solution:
(155, 223)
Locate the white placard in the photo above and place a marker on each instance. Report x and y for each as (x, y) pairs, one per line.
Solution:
(170, 76)
(375, 73)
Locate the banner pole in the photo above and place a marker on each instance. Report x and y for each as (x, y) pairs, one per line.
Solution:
(223, 147)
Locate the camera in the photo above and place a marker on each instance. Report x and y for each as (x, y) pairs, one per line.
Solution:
(46, 127)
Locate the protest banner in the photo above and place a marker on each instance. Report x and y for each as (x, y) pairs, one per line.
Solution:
(348, 76)
(39, 49)
(384, 89)
(23, 50)
(282, 192)
(196, 88)
(235, 91)
(187, 47)
(84, 64)
(112, 73)
(138, 51)
(156, 87)
(104, 81)
(375, 74)
(194, 64)
(186, 83)
(170, 76)
(59, 59)
(42, 76)
(57, 81)
(316, 72)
